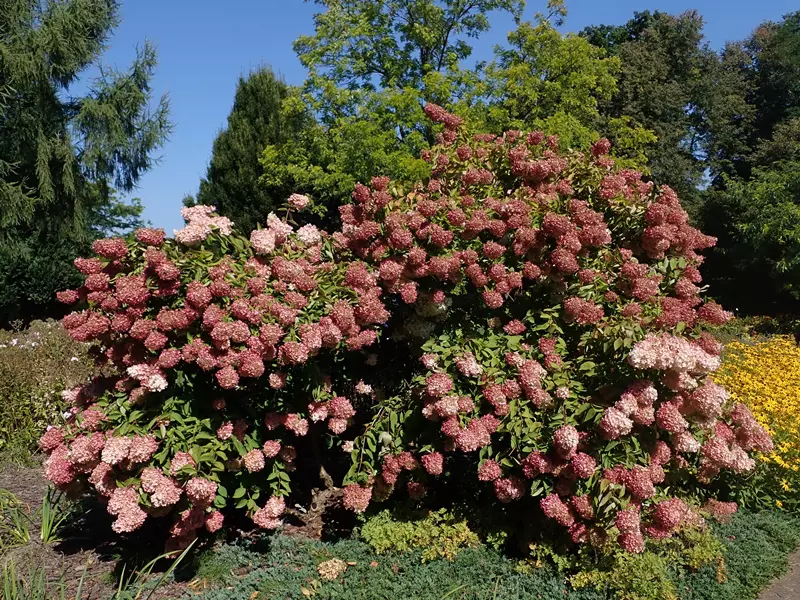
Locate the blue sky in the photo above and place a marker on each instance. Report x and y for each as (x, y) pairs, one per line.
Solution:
(204, 45)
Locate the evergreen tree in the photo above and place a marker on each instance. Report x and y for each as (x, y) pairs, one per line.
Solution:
(62, 157)
(255, 122)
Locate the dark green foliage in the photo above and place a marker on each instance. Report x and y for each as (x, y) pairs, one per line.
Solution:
(255, 122)
(727, 142)
(31, 275)
(753, 205)
(757, 546)
(757, 263)
(775, 48)
(673, 83)
(62, 156)
(756, 550)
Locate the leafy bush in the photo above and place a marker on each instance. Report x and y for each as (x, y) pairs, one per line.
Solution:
(652, 575)
(439, 534)
(766, 377)
(556, 304)
(36, 365)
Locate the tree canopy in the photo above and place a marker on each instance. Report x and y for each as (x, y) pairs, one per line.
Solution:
(671, 82)
(373, 67)
(754, 203)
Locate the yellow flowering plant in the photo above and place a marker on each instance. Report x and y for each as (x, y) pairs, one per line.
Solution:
(766, 377)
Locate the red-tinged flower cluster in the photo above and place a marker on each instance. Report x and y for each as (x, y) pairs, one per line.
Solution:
(356, 497)
(561, 304)
(268, 517)
(214, 309)
(531, 311)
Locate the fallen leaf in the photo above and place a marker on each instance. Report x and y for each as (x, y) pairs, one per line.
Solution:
(254, 595)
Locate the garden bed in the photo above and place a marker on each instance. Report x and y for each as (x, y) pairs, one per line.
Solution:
(758, 546)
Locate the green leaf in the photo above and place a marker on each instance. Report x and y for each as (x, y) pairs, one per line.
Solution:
(238, 445)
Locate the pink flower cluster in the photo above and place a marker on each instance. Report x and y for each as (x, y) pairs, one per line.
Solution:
(200, 222)
(124, 505)
(666, 352)
(356, 497)
(268, 517)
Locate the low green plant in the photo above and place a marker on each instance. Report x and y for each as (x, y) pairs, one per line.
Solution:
(14, 523)
(631, 577)
(35, 585)
(134, 586)
(214, 564)
(289, 565)
(438, 534)
(53, 516)
(652, 574)
(757, 546)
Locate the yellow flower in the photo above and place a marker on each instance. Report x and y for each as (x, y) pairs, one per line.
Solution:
(778, 503)
(765, 377)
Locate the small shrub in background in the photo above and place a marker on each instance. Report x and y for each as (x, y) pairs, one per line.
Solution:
(653, 574)
(438, 534)
(527, 321)
(36, 365)
(766, 377)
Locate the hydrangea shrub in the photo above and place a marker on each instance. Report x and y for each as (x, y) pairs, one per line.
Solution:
(551, 305)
